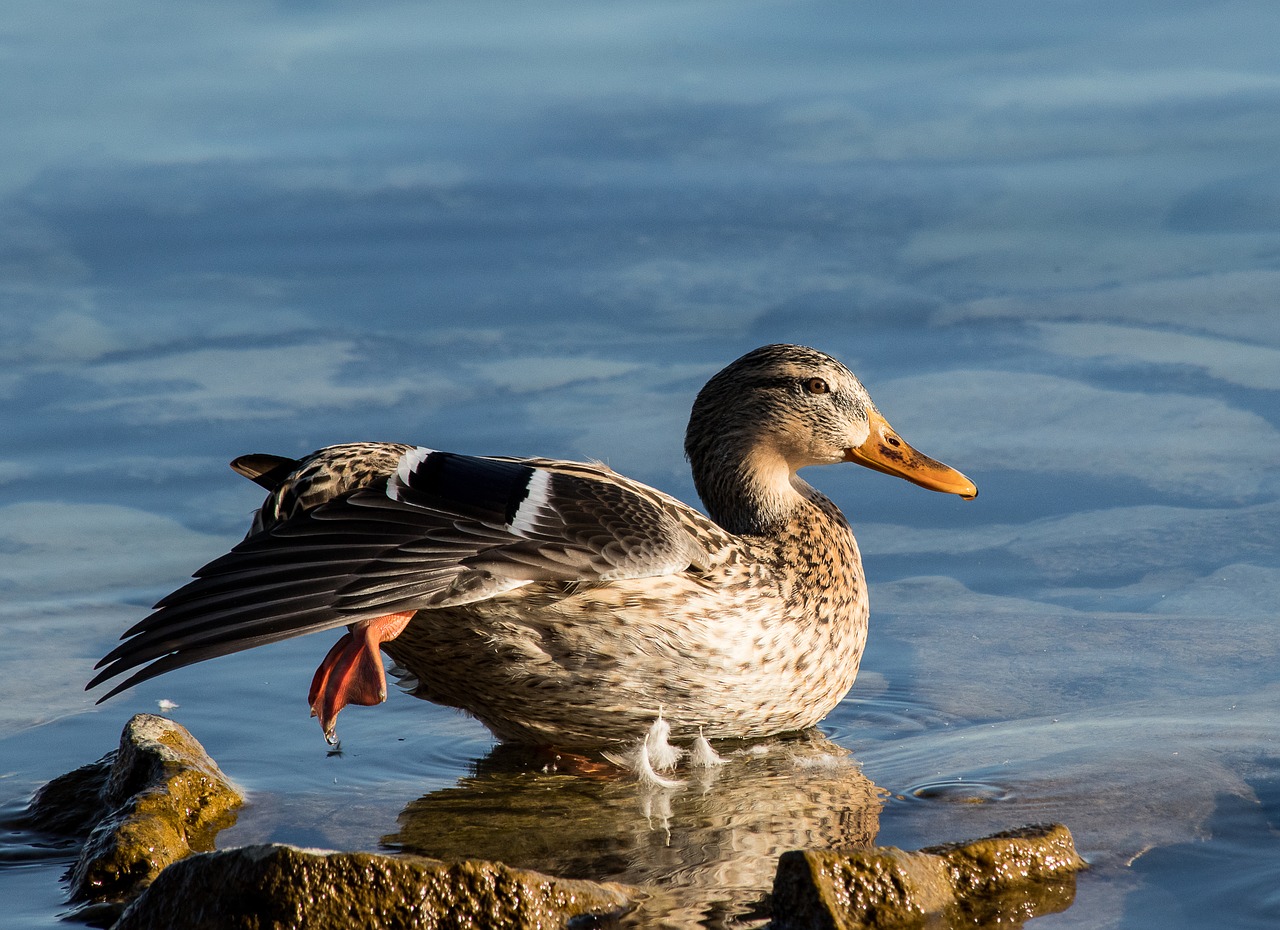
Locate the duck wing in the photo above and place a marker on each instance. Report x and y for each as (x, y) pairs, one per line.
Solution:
(442, 530)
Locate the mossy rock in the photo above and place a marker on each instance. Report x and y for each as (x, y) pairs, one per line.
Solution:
(152, 801)
(1006, 878)
(278, 886)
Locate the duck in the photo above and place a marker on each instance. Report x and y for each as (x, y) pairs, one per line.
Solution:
(560, 603)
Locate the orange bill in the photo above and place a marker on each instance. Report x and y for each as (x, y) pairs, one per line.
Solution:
(886, 451)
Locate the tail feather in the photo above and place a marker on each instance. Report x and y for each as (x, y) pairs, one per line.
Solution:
(265, 470)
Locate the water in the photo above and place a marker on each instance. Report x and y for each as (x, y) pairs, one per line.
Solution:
(1046, 239)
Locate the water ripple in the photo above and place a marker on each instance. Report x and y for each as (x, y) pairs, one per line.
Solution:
(957, 791)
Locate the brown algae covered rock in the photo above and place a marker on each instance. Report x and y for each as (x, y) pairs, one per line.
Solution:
(152, 801)
(1007, 878)
(841, 890)
(278, 886)
(1038, 852)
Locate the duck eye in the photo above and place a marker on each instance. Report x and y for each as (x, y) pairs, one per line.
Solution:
(817, 386)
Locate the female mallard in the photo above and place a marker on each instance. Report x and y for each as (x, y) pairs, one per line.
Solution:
(561, 603)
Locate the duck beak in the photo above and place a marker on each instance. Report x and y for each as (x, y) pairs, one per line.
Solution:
(886, 451)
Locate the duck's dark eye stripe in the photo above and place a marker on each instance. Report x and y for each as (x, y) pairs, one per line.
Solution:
(776, 382)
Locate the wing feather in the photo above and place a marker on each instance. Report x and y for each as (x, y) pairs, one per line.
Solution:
(440, 530)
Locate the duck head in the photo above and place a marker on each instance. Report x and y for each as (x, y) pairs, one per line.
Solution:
(781, 408)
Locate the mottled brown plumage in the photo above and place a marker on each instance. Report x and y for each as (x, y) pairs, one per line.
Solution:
(561, 603)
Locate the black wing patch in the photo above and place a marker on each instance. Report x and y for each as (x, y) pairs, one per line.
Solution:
(489, 490)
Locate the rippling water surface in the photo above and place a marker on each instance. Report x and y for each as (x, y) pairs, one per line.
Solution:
(1047, 239)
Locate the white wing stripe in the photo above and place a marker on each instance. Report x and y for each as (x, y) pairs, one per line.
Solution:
(409, 463)
(537, 502)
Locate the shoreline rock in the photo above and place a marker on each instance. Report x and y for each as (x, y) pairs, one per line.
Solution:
(1010, 876)
(151, 802)
(279, 886)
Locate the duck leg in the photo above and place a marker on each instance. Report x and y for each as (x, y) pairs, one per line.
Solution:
(352, 671)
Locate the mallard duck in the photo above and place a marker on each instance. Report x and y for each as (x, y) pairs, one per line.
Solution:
(561, 603)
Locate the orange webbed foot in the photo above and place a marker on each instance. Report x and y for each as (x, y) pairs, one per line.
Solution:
(352, 671)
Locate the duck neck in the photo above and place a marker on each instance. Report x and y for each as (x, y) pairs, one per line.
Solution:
(752, 494)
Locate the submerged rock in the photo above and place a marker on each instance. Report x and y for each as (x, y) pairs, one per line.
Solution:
(152, 801)
(1006, 878)
(277, 886)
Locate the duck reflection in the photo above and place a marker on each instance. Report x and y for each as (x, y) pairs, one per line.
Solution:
(704, 852)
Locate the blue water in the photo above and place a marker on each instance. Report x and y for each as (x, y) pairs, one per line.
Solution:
(1046, 238)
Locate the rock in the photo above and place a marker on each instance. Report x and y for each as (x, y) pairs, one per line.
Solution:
(278, 886)
(71, 804)
(154, 800)
(1006, 878)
